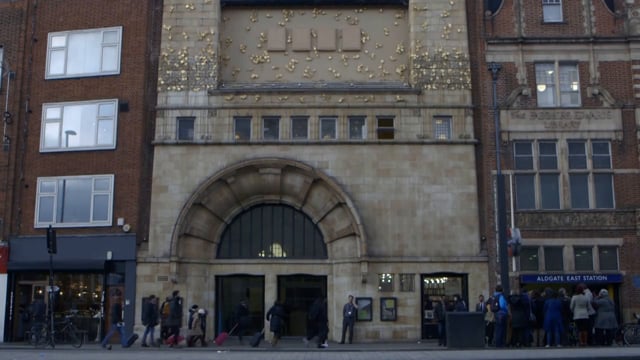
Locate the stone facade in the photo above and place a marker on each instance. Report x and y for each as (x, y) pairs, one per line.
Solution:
(400, 205)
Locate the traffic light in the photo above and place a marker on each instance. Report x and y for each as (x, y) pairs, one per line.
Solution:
(514, 241)
(52, 246)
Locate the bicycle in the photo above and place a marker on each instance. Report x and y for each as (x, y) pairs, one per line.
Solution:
(64, 331)
(631, 334)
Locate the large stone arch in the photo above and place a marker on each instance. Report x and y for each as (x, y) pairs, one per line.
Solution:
(267, 180)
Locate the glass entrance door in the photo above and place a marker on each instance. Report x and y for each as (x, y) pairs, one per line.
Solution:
(232, 289)
(297, 293)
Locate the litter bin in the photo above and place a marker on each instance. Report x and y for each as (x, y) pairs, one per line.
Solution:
(465, 330)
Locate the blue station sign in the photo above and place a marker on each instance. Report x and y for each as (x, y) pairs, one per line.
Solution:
(570, 278)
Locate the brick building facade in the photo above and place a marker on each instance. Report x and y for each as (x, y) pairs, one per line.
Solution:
(568, 125)
(80, 151)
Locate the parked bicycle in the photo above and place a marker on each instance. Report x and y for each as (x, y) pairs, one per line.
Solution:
(64, 332)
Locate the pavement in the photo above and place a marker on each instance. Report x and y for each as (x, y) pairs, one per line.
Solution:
(295, 349)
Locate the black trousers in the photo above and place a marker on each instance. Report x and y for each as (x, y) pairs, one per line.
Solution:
(347, 323)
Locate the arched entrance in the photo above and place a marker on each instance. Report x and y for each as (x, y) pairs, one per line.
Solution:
(271, 228)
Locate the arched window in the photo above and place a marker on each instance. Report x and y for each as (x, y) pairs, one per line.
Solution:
(272, 231)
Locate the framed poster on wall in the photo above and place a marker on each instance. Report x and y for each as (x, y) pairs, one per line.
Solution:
(365, 309)
(388, 310)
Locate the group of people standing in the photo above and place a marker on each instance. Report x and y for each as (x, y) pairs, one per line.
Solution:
(549, 318)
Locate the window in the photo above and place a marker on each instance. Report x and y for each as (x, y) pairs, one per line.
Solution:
(590, 179)
(529, 258)
(242, 129)
(328, 128)
(385, 282)
(537, 183)
(557, 85)
(407, 282)
(272, 231)
(553, 260)
(94, 52)
(442, 127)
(79, 125)
(608, 256)
(552, 10)
(185, 126)
(385, 128)
(74, 201)
(300, 127)
(271, 128)
(583, 258)
(357, 128)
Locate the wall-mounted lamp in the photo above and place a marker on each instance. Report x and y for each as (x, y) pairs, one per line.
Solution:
(541, 87)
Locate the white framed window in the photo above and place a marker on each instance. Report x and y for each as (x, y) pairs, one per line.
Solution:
(557, 84)
(442, 127)
(357, 127)
(590, 176)
(185, 128)
(74, 201)
(536, 175)
(583, 258)
(242, 128)
(551, 11)
(299, 127)
(328, 127)
(86, 125)
(79, 53)
(271, 127)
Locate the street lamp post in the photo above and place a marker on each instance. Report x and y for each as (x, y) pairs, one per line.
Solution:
(501, 215)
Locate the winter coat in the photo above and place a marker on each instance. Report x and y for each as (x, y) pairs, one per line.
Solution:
(276, 316)
(553, 315)
(605, 313)
(175, 312)
(580, 306)
(196, 326)
(519, 311)
(150, 314)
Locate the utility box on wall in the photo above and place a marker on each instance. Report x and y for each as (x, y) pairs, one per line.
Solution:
(465, 330)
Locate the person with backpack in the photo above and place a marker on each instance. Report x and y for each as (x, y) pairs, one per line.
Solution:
(149, 319)
(500, 309)
(164, 318)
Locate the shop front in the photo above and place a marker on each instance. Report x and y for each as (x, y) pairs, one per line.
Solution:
(84, 268)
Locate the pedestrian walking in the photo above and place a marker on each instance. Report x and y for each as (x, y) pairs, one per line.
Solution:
(242, 319)
(348, 319)
(150, 315)
(117, 323)
(175, 317)
(276, 317)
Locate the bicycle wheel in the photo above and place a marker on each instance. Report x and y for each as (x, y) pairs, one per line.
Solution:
(74, 337)
(632, 335)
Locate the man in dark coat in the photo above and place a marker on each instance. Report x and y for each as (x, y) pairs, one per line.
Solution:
(150, 315)
(117, 324)
(175, 317)
(276, 318)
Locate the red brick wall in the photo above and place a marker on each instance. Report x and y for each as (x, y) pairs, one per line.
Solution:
(131, 160)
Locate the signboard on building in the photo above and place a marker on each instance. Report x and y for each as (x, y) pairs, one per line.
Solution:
(570, 278)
